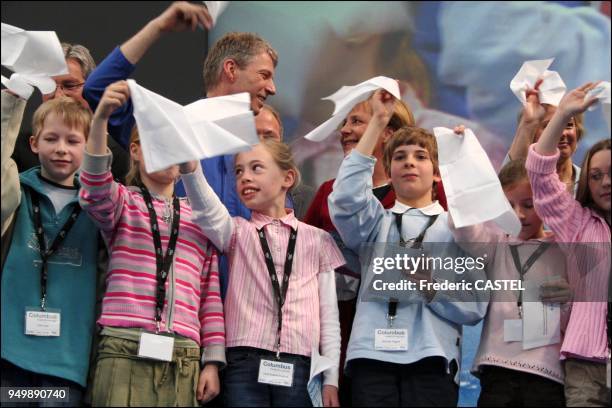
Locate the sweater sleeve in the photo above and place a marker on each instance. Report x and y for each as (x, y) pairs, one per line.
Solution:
(554, 204)
(212, 320)
(100, 196)
(330, 325)
(354, 210)
(209, 213)
(115, 67)
(12, 115)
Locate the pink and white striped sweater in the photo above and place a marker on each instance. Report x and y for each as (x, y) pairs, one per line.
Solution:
(585, 336)
(192, 288)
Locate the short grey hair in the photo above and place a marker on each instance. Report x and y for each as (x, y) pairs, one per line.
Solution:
(241, 47)
(80, 54)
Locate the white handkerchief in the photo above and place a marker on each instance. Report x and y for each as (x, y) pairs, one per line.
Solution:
(34, 56)
(318, 364)
(172, 134)
(552, 88)
(18, 85)
(473, 191)
(346, 98)
(216, 8)
(601, 92)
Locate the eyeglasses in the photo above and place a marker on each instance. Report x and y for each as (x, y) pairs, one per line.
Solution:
(70, 86)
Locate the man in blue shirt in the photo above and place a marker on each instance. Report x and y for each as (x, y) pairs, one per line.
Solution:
(237, 62)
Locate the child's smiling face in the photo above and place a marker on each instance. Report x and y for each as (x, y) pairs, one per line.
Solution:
(260, 182)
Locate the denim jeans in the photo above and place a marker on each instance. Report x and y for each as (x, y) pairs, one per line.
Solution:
(241, 388)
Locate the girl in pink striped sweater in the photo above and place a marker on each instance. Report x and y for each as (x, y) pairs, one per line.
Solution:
(162, 317)
(584, 220)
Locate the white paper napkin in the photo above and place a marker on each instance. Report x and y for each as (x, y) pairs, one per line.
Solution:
(172, 134)
(552, 88)
(346, 98)
(34, 57)
(473, 191)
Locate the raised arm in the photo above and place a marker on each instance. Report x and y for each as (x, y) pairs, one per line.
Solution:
(572, 104)
(382, 110)
(209, 213)
(554, 204)
(354, 210)
(100, 196)
(12, 115)
(531, 119)
(120, 63)
(180, 16)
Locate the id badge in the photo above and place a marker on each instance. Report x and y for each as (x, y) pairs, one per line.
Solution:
(45, 323)
(156, 346)
(275, 372)
(513, 330)
(391, 339)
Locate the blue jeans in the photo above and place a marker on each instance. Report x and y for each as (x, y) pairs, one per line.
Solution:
(13, 377)
(241, 388)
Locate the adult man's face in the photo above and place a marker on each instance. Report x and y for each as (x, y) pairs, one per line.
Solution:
(267, 126)
(257, 78)
(70, 84)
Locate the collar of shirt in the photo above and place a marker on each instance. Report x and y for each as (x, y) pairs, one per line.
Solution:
(432, 209)
(261, 220)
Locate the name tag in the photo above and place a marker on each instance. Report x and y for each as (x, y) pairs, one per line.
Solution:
(391, 339)
(513, 330)
(156, 346)
(42, 323)
(275, 373)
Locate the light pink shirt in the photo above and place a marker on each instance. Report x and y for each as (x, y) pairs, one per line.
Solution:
(586, 335)
(493, 350)
(251, 311)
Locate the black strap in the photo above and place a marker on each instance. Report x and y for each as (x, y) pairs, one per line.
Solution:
(392, 308)
(523, 269)
(280, 294)
(418, 240)
(45, 253)
(163, 262)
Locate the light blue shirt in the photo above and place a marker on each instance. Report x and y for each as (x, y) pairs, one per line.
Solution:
(434, 328)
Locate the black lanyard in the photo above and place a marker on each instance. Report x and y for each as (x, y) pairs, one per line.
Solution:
(392, 308)
(163, 262)
(280, 294)
(522, 269)
(45, 253)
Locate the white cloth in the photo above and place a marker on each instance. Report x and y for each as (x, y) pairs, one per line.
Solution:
(468, 175)
(34, 57)
(346, 98)
(550, 91)
(215, 9)
(172, 134)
